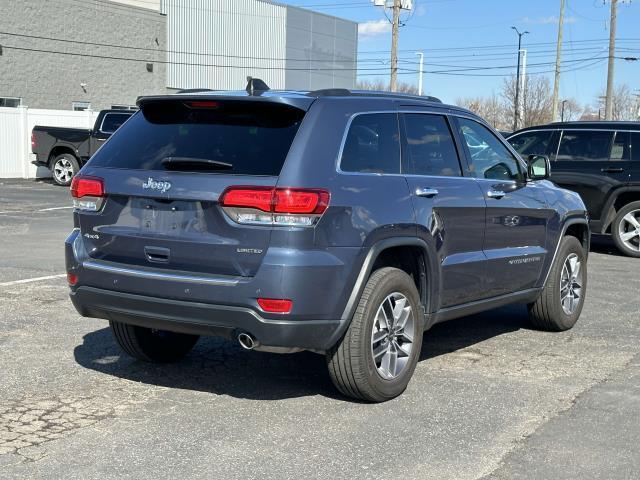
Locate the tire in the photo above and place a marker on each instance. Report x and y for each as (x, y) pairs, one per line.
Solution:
(157, 346)
(550, 312)
(625, 230)
(351, 363)
(63, 168)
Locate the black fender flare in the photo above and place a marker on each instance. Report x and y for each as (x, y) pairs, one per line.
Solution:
(62, 145)
(608, 212)
(431, 271)
(565, 226)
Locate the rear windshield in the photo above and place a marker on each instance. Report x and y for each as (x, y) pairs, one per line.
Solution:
(231, 137)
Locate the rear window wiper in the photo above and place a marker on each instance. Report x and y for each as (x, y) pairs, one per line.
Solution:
(180, 163)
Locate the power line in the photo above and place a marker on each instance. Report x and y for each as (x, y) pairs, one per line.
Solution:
(477, 56)
(160, 50)
(501, 67)
(452, 69)
(543, 72)
(245, 67)
(502, 46)
(530, 53)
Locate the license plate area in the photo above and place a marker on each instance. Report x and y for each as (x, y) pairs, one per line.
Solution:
(173, 218)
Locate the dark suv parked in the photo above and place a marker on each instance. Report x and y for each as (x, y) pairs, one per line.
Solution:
(600, 161)
(345, 223)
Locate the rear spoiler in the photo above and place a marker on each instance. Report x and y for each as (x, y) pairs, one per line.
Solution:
(300, 102)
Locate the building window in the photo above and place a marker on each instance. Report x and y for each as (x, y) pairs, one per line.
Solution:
(124, 107)
(80, 106)
(11, 102)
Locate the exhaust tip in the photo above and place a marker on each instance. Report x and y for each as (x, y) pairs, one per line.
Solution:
(246, 341)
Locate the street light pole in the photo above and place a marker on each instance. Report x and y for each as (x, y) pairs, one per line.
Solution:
(421, 72)
(517, 106)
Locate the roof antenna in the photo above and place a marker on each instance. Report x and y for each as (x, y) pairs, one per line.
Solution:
(256, 87)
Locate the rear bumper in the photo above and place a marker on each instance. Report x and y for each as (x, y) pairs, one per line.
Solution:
(318, 282)
(203, 319)
(40, 161)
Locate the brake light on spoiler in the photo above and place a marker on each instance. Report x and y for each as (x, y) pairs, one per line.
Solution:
(87, 193)
(301, 207)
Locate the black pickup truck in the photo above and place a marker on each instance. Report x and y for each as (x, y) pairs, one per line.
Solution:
(65, 150)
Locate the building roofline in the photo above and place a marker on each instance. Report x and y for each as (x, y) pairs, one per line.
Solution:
(307, 10)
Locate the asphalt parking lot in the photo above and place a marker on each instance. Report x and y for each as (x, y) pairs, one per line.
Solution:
(490, 398)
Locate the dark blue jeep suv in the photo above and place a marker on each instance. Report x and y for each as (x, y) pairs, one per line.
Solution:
(341, 222)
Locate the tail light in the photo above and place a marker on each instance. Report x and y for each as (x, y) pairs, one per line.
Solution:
(87, 193)
(301, 207)
(272, 305)
(203, 104)
(33, 142)
(72, 278)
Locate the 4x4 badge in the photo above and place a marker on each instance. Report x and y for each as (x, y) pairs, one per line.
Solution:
(155, 185)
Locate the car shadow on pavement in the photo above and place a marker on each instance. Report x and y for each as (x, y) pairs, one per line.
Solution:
(604, 244)
(222, 367)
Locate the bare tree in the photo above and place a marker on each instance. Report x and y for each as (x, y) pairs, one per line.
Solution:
(492, 109)
(625, 105)
(380, 85)
(589, 114)
(537, 100)
(570, 109)
(376, 84)
(499, 109)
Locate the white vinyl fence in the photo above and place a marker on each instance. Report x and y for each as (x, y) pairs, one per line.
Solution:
(15, 136)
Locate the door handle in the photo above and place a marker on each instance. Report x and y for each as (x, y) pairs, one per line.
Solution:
(497, 194)
(612, 170)
(157, 254)
(101, 139)
(426, 192)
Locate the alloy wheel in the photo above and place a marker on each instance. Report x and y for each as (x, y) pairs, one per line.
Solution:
(571, 284)
(629, 230)
(63, 170)
(392, 335)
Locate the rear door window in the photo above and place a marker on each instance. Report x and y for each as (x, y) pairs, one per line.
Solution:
(372, 144)
(621, 149)
(228, 137)
(113, 121)
(585, 145)
(532, 143)
(430, 146)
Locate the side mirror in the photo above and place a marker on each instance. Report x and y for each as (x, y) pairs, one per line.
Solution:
(539, 167)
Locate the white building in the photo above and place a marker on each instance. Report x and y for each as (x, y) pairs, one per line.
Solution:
(218, 43)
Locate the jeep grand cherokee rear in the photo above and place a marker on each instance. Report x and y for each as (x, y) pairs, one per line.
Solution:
(179, 219)
(344, 223)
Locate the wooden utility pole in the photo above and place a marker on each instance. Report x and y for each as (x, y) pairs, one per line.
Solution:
(394, 45)
(556, 82)
(608, 110)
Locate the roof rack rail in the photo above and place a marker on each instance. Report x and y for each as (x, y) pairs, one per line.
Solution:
(344, 92)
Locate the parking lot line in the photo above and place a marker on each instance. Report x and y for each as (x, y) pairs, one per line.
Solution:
(30, 280)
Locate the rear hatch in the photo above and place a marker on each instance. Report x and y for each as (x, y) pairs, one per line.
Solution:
(163, 174)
